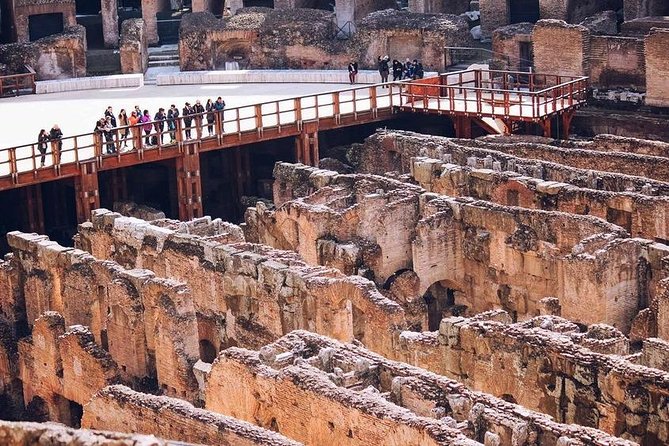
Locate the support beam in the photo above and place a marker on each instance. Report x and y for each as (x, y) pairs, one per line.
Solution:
(566, 123)
(34, 209)
(189, 183)
(547, 126)
(463, 127)
(87, 191)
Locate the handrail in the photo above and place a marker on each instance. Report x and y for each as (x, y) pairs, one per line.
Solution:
(14, 83)
(241, 120)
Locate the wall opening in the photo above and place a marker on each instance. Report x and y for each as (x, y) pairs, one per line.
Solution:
(207, 351)
(654, 8)
(43, 25)
(262, 3)
(76, 413)
(37, 410)
(440, 299)
(327, 5)
(523, 11)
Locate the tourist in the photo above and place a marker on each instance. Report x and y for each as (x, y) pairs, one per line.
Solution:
(123, 122)
(56, 138)
(219, 105)
(198, 109)
(408, 70)
(42, 140)
(187, 114)
(172, 116)
(108, 131)
(227, 13)
(146, 126)
(109, 113)
(384, 69)
(352, 71)
(397, 70)
(138, 111)
(159, 124)
(98, 135)
(419, 73)
(210, 116)
(135, 130)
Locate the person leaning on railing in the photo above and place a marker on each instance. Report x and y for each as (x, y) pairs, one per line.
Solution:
(42, 141)
(135, 130)
(219, 106)
(56, 138)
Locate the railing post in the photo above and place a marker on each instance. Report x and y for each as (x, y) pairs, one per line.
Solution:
(258, 115)
(13, 168)
(372, 100)
(297, 105)
(335, 107)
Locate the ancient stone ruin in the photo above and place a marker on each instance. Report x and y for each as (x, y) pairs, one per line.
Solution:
(449, 292)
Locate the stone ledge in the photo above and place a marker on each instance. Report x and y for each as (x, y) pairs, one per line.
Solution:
(267, 76)
(90, 83)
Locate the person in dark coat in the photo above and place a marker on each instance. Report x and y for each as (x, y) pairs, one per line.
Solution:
(198, 110)
(397, 70)
(211, 111)
(187, 114)
(159, 123)
(352, 71)
(172, 116)
(384, 69)
(109, 113)
(42, 140)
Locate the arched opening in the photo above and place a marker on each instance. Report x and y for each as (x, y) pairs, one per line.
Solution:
(207, 351)
(390, 280)
(440, 300)
(76, 413)
(509, 398)
(37, 410)
(523, 11)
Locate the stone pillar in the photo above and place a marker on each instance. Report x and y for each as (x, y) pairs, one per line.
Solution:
(110, 23)
(657, 67)
(663, 309)
(149, 11)
(574, 46)
(134, 47)
(345, 10)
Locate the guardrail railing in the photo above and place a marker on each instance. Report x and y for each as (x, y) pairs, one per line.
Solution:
(497, 94)
(284, 117)
(16, 84)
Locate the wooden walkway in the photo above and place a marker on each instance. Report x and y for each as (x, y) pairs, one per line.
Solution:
(467, 96)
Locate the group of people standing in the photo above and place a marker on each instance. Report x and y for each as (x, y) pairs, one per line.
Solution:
(141, 121)
(401, 71)
(53, 136)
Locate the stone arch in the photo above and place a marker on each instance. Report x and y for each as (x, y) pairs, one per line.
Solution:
(37, 410)
(232, 50)
(440, 298)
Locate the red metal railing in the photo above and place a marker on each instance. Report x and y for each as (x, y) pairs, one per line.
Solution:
(269, 120)
(15, 84)
(496, 94)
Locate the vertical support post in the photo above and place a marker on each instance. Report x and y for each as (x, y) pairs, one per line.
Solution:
(315, 156)
(566, 123)
(299, 156)
(246, 170)
(189, 184)
(546, 124)
(463, 127)
(34, 208)
(87, 191)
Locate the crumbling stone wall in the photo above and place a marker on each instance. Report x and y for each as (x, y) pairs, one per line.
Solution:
(20, 434)
(657, 83)
(58, 365)
(357, 394)
(120, 409)
(146, 324)
(134, 47)
(54, 57)
(261, 293)
(489, 256)
(548, 364)
(575, 45)
(306, 38)
(506, 43)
